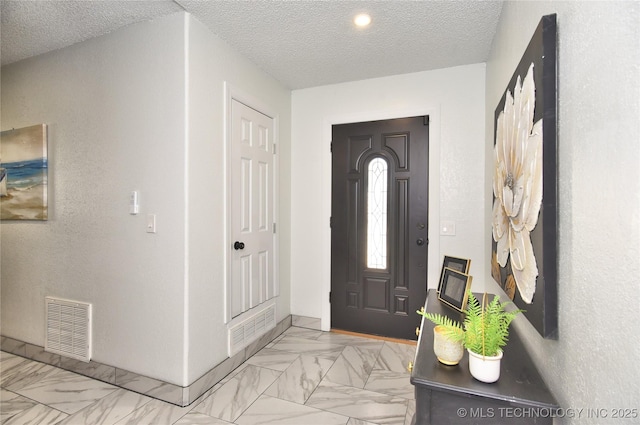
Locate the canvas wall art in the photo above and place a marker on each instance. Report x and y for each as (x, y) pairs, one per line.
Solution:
(23, 173)
(524, 222)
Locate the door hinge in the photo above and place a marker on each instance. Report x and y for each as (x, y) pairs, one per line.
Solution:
(329, 297)
(274, 227)
(425, 120)
(330, 222)
(274, 148)
(331, 147)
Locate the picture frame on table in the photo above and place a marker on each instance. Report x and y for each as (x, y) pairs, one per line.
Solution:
(459, 264)
(455, 289)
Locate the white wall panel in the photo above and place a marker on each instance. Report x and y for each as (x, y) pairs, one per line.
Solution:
(115, 110)
(138, 109)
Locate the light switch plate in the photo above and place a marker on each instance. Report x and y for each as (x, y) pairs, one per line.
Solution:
(447, 228)
(151, 223)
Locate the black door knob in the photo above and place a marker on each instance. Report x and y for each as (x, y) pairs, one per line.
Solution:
(420, 242)
(238, 245)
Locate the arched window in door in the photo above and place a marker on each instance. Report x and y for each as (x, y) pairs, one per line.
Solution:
(377, 187)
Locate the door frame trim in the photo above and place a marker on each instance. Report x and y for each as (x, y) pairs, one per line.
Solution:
(234, 93)
(433, 249)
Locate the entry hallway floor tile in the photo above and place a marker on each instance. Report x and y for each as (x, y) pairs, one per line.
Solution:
(303, 377)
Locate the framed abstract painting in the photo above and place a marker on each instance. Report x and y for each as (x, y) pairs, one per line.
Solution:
(524, 219)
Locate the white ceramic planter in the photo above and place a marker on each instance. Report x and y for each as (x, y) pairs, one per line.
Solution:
(448, 352)
(484, 368)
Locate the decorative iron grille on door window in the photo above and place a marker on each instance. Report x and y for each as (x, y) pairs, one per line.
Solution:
(377, 177)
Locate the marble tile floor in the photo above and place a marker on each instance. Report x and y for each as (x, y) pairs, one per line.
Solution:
(303, 377)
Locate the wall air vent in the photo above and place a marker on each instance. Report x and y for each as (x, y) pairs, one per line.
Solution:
(253, 327)
(68, 329)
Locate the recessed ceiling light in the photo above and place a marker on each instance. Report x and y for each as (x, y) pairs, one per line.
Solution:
(362, 20)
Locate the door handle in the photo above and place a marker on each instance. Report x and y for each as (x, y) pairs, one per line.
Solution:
(238, 245)
(420, 242)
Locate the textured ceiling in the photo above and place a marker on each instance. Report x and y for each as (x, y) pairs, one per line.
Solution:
(300, 43)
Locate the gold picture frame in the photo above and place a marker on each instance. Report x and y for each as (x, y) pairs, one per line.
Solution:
(455, 289)
(459, 264)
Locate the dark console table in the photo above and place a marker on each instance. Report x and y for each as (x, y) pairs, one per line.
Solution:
(450, 395)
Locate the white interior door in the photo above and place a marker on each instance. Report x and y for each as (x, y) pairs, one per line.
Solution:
(252, 213)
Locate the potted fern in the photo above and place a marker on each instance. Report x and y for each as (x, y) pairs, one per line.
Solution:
(484, 332)
(448, 338)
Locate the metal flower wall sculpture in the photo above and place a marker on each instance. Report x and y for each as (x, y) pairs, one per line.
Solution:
(517, 184)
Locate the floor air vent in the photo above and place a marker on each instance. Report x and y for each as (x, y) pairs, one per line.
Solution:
(68, 328)
(250, 329)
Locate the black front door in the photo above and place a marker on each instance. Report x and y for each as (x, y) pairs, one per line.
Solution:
(379, 210)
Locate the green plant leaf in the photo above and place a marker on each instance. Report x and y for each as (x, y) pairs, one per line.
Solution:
(452, 329)
(486, 326)
(485, 329)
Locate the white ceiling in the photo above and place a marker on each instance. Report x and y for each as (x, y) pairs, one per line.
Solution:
(300, 43)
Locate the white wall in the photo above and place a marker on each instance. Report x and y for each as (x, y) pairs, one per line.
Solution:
(593, 364)
(140, 109)
(211, 63)
(115, 110)
(454, 100)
